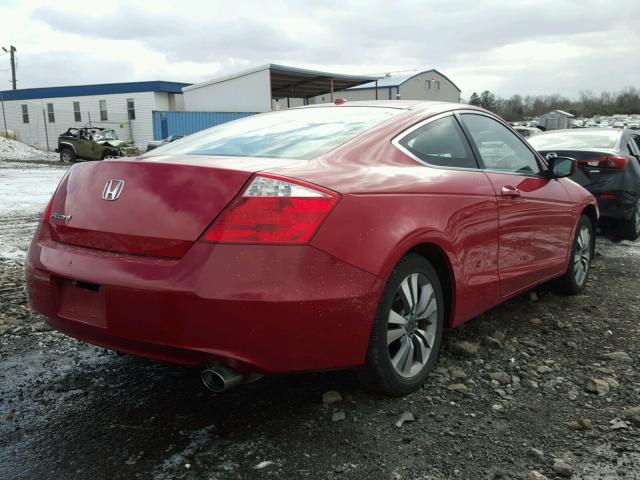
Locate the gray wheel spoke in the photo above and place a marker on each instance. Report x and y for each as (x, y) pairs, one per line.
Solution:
(395, 334)
(428, 335)
(401, 355)
(405, 291)
(426, 293)
(396, 319)
(408, 361)
(413, 283)
(429, 311)
(421, 348)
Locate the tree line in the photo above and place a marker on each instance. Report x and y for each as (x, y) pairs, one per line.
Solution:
(587, 104)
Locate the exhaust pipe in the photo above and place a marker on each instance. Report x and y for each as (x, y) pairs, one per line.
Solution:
(221, 378)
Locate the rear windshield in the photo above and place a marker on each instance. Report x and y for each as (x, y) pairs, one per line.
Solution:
(575, 140)
(297, 133)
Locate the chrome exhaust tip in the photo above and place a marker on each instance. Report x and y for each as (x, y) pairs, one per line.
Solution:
(220, 378)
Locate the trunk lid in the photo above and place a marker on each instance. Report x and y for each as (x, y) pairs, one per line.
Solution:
(162, 208)
(589, 174)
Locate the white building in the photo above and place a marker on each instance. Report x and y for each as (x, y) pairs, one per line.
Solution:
(424, 85)
(38, 115)
(275, 87)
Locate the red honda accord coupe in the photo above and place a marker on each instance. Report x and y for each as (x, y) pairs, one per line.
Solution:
(314, 238)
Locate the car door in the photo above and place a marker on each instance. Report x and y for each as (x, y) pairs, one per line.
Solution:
(83, 146)
(535, 215)
(450, 173)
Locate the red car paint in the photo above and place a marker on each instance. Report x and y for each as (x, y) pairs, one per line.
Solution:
(138, 274)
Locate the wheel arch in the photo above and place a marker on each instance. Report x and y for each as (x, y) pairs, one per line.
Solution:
(70, 146)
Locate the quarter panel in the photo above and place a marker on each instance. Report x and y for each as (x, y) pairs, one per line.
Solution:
(455, 210)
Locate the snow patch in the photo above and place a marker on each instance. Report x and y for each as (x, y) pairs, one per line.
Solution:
(15, 150)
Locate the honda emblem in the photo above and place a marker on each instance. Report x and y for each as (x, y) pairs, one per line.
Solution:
(112, 190)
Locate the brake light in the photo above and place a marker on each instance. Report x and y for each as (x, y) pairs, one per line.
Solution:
(273, 210)
(614, 162)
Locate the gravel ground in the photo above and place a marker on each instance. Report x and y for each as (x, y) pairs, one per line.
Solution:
(539, 394)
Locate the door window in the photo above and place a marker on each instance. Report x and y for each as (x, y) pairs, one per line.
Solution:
(440, 143)
(500, 149)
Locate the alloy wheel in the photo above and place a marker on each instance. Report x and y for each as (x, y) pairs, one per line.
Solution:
(66, 156)
(412, 325)
(582, 257)
(637, 214)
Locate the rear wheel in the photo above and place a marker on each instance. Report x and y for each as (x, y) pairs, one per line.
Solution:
(407, 331)
(67, 155)
(577, 274)
(630, 229)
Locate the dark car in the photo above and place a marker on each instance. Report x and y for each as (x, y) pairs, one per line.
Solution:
(608, 166)
(164, 141)
(315, 238)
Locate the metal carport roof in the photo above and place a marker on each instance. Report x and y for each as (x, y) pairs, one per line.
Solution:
(297, 82)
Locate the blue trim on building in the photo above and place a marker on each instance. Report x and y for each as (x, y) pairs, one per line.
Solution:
(98, 89)
(186, 123)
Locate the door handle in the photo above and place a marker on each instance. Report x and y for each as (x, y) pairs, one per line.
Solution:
(509, 191)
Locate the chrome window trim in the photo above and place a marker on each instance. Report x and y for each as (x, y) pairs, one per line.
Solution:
(396, 143)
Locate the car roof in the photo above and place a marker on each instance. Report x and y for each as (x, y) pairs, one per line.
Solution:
(399, 104)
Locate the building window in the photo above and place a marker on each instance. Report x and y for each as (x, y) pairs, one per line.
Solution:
(427, 84)
(25, 113)
(436, 83)
(103, 111)
(50, 114)
(131, 109)
(77, 116)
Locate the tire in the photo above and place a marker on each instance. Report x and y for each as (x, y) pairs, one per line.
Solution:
(630, 229)
(67, 155)
(416, 334)
(575, 279)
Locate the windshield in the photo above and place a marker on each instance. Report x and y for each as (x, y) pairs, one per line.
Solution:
(105, 135)
(297, 133)
(568, 140)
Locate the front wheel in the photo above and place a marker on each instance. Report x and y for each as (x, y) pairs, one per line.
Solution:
(575, 279)
(67, 155)
(630, 229)
(407, 331)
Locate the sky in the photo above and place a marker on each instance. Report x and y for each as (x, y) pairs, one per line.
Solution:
(516, 46)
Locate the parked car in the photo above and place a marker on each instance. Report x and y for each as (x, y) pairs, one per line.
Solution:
(93, 143)
(526, 132)
(164, 141)
(323, 237)
(608, 166)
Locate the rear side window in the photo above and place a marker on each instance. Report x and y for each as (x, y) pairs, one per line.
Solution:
(440, 143)
(500, 149)
(297, 133)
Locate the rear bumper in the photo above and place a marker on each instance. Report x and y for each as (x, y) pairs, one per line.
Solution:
(266, 309)
(619, 208)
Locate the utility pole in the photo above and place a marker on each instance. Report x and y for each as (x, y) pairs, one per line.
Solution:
(11, 52)
(46, 133)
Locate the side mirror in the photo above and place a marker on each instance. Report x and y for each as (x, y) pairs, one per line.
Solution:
(560, 167)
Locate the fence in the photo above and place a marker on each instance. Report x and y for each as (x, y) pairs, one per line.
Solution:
(186, 123)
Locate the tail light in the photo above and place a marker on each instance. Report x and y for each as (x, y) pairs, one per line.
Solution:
(273, 210)
(613, 162)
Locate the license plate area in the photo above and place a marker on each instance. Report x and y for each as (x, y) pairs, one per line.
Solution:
(83, 302)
